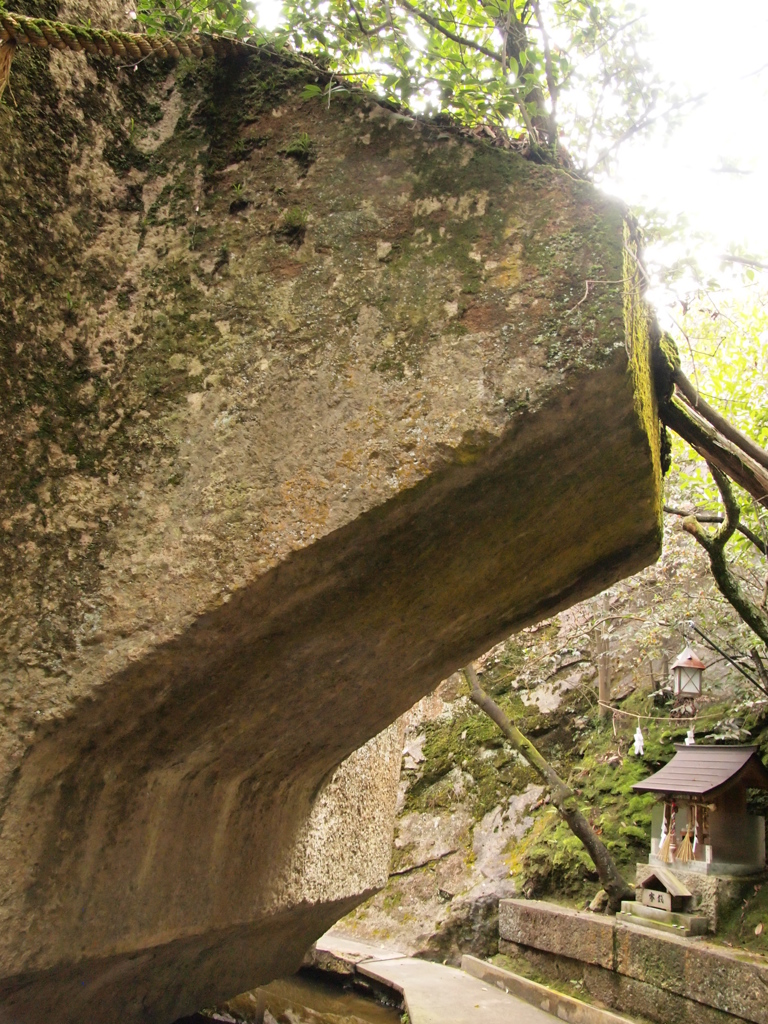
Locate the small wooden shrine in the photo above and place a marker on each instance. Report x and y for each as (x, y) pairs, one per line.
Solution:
(700, 822)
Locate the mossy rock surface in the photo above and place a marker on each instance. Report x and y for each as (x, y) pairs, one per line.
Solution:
(286, 441)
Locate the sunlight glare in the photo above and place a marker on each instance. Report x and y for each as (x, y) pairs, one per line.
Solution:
(714, 166)
(269, 14)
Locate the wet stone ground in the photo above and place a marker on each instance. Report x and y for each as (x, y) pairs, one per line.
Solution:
(302, 1000)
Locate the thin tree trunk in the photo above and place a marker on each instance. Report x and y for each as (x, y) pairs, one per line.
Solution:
(562, 795)
(735, 436)
(604, 681)
(542, 125)
(716, 449)
(604, 664)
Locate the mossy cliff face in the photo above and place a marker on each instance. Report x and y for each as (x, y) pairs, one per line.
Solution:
(302, 408)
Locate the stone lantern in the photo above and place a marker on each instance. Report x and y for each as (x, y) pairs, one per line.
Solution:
(686, 672)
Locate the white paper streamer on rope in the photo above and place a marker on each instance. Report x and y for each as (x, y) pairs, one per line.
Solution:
(638, 741)
(665, 839)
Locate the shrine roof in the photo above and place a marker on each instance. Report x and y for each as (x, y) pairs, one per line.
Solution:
(701, 769)
(670, 881)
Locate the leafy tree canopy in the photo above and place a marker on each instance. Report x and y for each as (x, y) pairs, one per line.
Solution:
(724, 343)
(723, 339)
(566, 79)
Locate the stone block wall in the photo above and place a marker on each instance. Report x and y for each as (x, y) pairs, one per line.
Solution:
(666, 979)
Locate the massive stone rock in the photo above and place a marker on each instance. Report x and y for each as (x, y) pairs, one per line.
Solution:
(303, 407)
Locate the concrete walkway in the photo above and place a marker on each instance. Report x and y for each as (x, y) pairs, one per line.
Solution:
(433, 994)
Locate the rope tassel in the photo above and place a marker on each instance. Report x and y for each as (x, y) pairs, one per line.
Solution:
(639, 745)
(685, 853)
(665, 840)
(7, 49)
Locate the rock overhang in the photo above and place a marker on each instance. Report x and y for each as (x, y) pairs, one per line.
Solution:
(334, 401)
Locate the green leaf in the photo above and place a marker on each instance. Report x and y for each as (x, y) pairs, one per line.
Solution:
(589, 34)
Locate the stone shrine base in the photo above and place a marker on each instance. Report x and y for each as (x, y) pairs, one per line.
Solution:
(701, 867)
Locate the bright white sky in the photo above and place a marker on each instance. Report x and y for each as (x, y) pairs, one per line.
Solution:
(704, 46)
(700, 46)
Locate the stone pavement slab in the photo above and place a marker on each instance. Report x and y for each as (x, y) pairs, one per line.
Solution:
(435, 994)
(341, 945)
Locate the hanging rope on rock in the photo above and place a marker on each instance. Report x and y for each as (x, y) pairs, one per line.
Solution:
(18, 29)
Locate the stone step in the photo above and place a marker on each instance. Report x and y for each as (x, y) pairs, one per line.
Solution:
(564, 1007)
(683, 924)
(624, 917)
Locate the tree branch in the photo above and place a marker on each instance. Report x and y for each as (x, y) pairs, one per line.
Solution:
(713, 447)
(715, 647)
(744, 261)
(369, 33)
(435, 23)
(562, 795)
(714, 545)
(711, 517)
(761, 669)
(732, 510)
(543, 127)
(648, 118)
(746, 444)
(551, 84)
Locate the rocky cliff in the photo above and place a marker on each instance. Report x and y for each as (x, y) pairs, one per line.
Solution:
(474, 824)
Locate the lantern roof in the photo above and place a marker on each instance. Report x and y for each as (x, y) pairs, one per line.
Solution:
(703, 769)
(688, 659)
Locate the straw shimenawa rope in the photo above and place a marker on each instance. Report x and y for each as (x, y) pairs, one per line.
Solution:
(18, 29)
(7, 49)
(132, 47)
